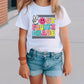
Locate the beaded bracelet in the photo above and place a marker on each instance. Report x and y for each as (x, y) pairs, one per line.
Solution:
(22, 58)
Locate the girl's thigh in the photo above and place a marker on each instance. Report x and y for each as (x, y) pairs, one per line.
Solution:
(38, 79)
(53, 80)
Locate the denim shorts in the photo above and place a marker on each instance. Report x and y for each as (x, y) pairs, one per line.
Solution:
(49, 63)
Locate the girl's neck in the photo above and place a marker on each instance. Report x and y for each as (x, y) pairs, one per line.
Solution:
(42, 2)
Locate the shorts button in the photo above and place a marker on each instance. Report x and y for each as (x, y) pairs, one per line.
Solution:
(44, 53)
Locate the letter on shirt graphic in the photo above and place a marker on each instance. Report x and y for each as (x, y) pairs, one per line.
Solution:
(34, 33)
(41, 27)
(33, 27)
(43, 33)
(48, 20)
(37, 27)
(35, 19)
(48, 32)
(52, 32)
(45, 27)
(49, 26)
(38, 33)
(53, 26)
(53, 20)
(42, 20)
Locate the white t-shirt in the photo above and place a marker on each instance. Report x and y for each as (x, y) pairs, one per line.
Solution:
(43, 27)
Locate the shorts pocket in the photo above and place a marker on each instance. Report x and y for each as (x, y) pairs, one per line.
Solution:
(57, 57)
(29, 56)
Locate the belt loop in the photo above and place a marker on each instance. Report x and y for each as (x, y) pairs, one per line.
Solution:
(36, 53)
(31, 52)
(50, 54)
(53, 54)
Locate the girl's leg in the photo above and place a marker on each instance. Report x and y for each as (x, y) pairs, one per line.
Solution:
(53, 80)
(54, 70)
(36, 79)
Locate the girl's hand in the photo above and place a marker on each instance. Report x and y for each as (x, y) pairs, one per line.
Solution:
(67, 67)
(24, 71)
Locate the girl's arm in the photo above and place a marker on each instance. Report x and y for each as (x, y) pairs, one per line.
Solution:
(66, 49)
(24, 69)
(65, 41)
(22, 43)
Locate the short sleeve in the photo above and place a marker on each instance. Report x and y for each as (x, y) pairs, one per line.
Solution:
(22, 19)
(65, 20)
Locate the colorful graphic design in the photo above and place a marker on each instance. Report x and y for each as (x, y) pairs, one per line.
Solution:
(43, 26)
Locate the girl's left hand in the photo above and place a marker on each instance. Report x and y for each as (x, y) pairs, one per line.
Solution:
(67, 67)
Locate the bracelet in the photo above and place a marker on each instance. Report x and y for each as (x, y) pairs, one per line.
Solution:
(22, 58)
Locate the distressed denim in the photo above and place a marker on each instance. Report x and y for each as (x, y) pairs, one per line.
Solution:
(49, 63)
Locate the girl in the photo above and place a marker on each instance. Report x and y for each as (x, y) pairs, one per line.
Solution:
(44, 24)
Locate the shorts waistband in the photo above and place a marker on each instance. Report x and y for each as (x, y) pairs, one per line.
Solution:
(33, 51)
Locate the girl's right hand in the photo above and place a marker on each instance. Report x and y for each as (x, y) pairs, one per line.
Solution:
(24, 71)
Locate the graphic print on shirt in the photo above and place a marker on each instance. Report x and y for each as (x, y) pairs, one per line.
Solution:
(43, 26)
